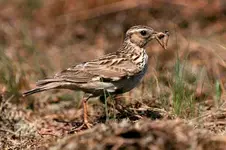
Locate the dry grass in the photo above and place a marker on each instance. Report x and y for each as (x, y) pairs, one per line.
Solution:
(144, 134)
(186, 82)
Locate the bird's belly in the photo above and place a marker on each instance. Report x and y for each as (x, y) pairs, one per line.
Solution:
(128, 84)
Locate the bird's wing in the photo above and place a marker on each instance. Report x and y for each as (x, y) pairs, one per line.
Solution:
(108, 68)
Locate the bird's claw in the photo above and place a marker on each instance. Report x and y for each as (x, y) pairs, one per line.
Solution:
(85, 125)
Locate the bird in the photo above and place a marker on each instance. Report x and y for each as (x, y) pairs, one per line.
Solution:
(114, 73)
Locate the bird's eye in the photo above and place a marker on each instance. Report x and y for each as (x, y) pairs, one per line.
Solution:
(143, 32)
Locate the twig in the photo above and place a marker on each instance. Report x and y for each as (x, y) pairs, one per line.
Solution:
(5, 130)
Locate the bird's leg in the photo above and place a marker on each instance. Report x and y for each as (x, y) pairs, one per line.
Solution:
(85, 115)
(85, 123)
(142, 87)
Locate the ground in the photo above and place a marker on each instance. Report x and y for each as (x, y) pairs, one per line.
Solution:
(180, 104)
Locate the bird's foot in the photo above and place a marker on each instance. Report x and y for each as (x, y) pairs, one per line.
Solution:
(85, 125)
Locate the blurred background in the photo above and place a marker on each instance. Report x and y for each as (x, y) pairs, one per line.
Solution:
(38, 38)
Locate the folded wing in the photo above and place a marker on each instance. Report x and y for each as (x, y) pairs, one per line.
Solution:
(106, 69)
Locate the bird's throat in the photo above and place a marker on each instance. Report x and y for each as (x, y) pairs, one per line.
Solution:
(135, 53)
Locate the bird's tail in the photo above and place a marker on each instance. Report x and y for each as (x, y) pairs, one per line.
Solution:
(44, 85)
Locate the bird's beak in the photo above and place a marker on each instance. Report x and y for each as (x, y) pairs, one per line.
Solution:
(162, 38)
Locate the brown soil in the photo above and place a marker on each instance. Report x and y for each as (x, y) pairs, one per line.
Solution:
(179, 105)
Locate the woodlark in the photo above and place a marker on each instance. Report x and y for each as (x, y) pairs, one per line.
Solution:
(114, 73)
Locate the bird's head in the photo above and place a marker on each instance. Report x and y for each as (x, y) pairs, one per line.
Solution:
(141, 35)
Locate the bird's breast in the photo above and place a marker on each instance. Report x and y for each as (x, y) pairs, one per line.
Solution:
(141, 59)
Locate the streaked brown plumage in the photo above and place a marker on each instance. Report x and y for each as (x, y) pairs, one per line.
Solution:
(114, 73)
